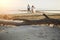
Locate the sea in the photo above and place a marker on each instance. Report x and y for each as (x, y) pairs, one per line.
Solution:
(24, 11)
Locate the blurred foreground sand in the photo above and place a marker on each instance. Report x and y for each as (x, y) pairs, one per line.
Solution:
(30, 32)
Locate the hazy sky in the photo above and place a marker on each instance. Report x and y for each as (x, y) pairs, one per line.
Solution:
(22, 4)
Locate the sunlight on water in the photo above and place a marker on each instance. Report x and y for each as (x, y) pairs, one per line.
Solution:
(52, 11)
(22, 11)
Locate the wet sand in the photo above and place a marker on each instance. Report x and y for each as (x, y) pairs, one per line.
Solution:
(29, 32)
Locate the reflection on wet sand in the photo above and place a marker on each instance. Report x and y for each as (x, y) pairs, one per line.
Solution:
(30, 32)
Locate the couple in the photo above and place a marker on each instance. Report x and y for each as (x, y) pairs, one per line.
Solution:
(32, 9)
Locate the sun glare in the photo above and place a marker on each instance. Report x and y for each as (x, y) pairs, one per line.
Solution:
(4, 2)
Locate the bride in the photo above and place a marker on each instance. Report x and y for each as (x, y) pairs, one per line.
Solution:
(33, 9)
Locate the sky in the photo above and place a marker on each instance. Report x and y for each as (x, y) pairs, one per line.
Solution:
(22, 4)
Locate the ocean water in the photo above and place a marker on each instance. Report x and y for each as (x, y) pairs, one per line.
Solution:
(19, 11)
(52, 11)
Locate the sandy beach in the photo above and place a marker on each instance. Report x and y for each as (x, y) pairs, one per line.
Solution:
(29, 32)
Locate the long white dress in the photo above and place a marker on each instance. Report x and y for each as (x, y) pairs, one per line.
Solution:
(33, 10)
